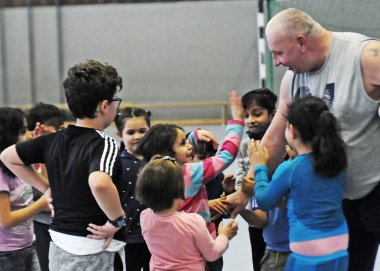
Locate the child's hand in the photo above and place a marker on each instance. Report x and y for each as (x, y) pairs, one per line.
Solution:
(229, 230)
(291, 152)
(219, 206)
(257, 154)
(229, 183)
(49, 199)
(237, 202)
(208, 136)
(43, 204)
(237, 110)
(41, 129)
(247, 186)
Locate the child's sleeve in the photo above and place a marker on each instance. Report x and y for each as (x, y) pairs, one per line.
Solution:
(242, 168)
(269, 194)
(32, 151)
(210, 249)
(200, 173)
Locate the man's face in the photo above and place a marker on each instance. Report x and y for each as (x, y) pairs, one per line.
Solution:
(286, 51)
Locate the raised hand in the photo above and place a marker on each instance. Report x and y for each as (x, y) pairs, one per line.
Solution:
(41, 129)
(257, 154)
(208, 136)
(236, 106)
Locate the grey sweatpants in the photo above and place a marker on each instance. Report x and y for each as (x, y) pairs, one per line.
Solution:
(60, 260)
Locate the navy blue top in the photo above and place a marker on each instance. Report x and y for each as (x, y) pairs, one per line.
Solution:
(130, 168)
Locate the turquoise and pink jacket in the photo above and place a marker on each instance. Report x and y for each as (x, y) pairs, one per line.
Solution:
(197, 174)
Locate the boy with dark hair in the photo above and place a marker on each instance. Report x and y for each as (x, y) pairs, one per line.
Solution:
(83, 164)
(268, 232)
(47, 115)
(43, 119)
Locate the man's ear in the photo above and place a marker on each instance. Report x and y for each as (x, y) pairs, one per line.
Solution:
(302, 42)
(118, 134)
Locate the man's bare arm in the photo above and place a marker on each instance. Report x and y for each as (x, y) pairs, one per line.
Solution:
(274, 138)
(370, 64)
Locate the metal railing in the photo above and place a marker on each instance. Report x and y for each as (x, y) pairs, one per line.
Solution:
(223, 106)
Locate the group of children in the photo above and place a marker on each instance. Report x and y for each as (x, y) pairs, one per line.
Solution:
(166, 221)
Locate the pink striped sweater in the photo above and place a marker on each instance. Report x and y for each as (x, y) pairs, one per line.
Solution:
(198, 174)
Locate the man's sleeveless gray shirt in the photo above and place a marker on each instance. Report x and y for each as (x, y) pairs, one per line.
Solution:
(339, 82)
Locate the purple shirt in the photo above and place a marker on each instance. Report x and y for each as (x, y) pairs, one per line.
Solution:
(20, 196)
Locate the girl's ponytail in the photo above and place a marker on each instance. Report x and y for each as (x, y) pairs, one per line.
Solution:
(328, 147)
(318, 127)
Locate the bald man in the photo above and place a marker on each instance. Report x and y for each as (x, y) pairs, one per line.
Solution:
(344, 70)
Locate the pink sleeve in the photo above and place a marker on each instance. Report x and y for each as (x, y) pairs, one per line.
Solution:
(210, 249)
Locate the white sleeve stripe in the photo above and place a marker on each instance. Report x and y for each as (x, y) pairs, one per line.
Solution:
(109, 155)
(104, 154)
(115, 153)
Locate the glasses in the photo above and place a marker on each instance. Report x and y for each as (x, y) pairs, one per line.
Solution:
(118, 100)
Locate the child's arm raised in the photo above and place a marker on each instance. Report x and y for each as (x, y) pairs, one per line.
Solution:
(268, 195)
(199, 173)
(236, 106)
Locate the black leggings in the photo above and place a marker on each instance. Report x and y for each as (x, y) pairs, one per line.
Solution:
(257, 246)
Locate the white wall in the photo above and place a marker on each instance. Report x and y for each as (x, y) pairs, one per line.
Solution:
(181, 51)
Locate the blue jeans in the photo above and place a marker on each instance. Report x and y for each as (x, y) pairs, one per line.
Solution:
(21, 260)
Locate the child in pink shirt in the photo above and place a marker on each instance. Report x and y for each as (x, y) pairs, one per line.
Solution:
(169, 139)
(177, 240)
